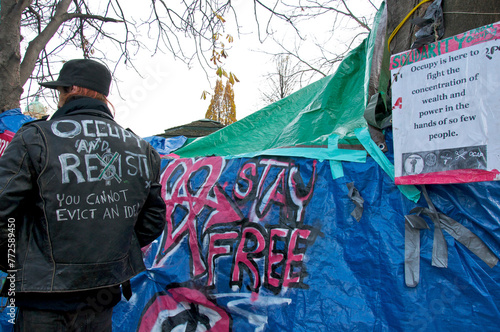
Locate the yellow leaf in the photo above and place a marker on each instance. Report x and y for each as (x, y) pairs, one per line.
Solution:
(204, 95)
(220, 18)
(219, 72)
(229, 38)
(224, 73)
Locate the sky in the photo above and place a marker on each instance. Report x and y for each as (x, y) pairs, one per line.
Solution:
(169, 94)
(165, 92)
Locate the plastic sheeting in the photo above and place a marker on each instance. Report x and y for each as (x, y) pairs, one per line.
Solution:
(164, 146)
(5, 138)
(10, 122)
(431, 25)
(269, 244)
(13, 119)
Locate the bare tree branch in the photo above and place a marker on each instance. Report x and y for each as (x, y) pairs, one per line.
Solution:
(71, 16)
(37, 44)
(81, 24)
(354, 17)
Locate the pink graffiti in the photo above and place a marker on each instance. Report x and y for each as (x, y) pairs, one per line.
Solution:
(270, 255)
(283, 267)
(292, 277)
(215, 251)
(176, 301)
(180, 192)
(5, 139)
(285, 189)
(244, 256)
(275, 258)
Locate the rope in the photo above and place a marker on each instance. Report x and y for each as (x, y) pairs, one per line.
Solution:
(403, 22)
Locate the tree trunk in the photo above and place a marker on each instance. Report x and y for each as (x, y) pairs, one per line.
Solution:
(10, 53)
(464, 15)
(36, 45)
(459, 16)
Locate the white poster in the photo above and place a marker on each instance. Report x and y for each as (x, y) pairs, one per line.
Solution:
(446, 110)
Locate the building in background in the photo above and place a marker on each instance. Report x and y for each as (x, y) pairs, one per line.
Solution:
(194, 129)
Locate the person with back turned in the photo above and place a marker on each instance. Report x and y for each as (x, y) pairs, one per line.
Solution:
(79, 197)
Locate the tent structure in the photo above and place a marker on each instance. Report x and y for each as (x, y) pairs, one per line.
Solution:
(279, 223)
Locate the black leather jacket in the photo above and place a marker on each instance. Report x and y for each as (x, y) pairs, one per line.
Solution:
(81, 196)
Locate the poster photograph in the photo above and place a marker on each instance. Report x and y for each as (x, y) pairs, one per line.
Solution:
(446, 107)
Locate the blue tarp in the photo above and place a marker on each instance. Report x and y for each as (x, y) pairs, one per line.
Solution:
(305, 263)
(13, 119)
(269, 244)
(164, 145)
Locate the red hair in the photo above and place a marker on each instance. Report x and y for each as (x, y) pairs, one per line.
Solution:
(78, 91)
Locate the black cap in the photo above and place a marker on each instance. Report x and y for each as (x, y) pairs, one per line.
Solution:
(84, 73)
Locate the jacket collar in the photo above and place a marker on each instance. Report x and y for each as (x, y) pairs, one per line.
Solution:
(88, 105)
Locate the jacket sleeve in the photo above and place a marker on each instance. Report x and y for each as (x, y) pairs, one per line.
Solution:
(16, 183)
(151, 221)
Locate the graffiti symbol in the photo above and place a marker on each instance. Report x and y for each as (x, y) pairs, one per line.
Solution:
(183, 309)
(109, 170)
(201, 212)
